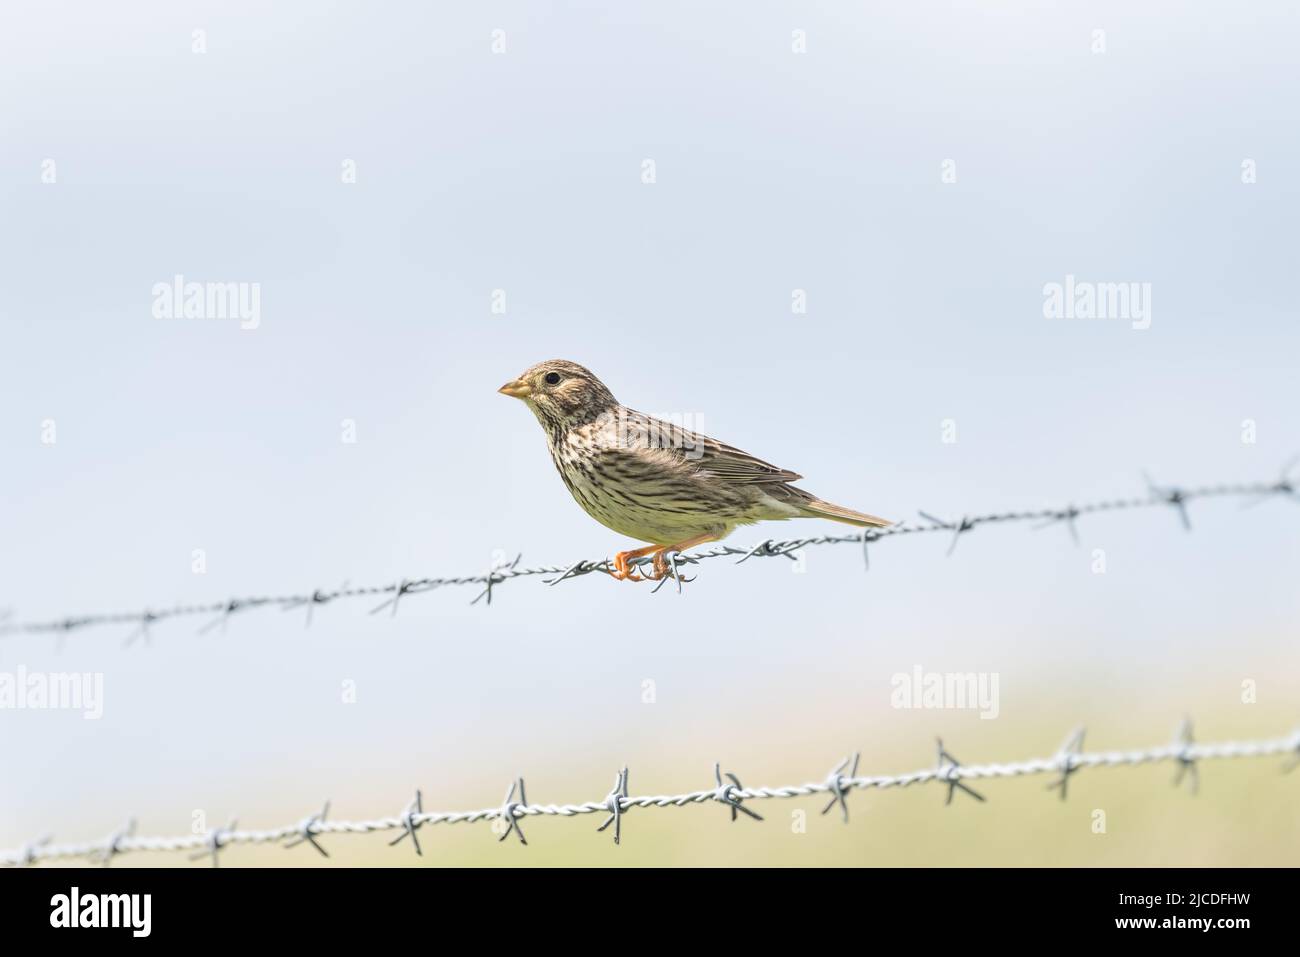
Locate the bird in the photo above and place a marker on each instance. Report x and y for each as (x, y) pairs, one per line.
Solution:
(652, 480)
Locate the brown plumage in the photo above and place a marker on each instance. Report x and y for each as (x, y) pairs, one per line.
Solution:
(654, 481)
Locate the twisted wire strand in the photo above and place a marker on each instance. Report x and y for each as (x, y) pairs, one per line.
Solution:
(1159, 496)
(1066, 762)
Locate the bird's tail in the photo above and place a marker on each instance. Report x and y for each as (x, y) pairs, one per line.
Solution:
(816, 508)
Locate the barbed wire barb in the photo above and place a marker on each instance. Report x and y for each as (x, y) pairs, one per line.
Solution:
(1285, 486)
(614, 803)
(114, 844)
(1184, 743)
(949, 770)
(140, 631)
(958, 529)
(411, 818)
(214, 842)
(307, 829)
(1068, 759)
(731, 794)
(581, 567)
(223, 619)
(510, 811)
(839, 785)
(674, 560)
(494, 577)
(1069, 516)
(1171, 495)
(399, 590)
(318, 597)
(768, 548)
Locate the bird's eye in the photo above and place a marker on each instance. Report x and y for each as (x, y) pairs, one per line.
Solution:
(552, 378)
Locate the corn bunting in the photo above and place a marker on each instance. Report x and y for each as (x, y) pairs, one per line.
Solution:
(652, 480)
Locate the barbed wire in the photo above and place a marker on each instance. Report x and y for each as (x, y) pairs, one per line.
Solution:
(1158, 496)
(508, 817)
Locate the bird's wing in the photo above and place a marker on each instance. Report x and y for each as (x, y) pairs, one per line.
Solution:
(703, 454)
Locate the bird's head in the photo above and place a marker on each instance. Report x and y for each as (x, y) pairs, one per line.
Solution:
(561, 394)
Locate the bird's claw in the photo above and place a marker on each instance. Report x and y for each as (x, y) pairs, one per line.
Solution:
(623, 570)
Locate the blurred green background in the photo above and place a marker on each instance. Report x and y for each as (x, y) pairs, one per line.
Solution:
(1243, 814)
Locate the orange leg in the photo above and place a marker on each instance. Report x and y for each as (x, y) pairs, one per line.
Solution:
(623, 571)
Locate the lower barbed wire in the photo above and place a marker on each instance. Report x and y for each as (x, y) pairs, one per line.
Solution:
(1183, 751)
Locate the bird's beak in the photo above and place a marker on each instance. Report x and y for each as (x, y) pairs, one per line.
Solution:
(516, 388)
